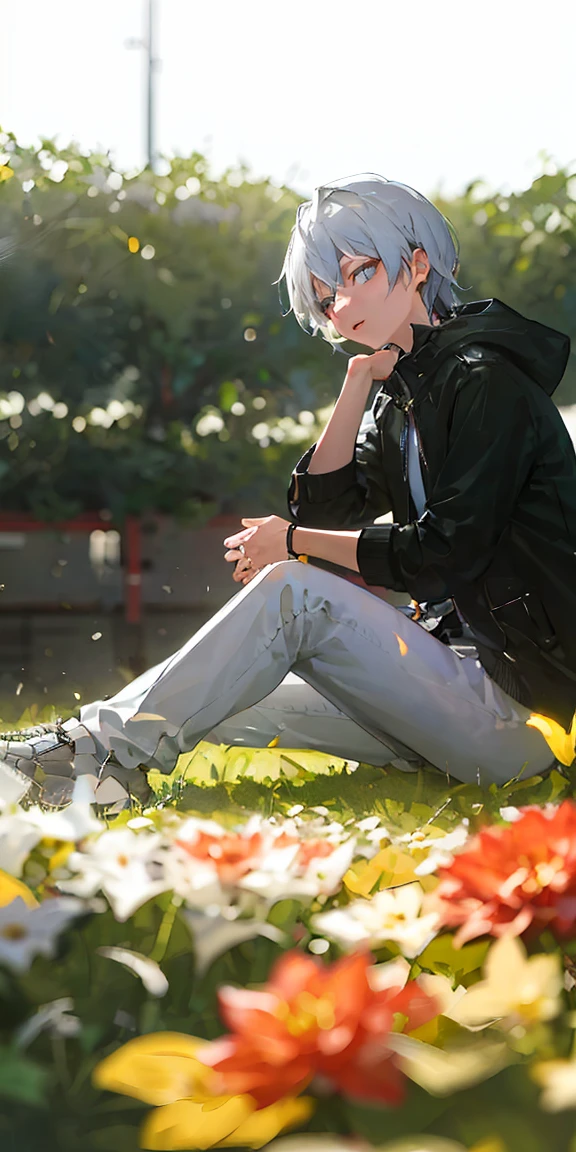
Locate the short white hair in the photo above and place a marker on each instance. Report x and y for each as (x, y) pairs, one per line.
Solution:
(367, 215)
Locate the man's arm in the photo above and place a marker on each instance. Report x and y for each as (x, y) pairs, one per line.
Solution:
(335, 448)
(335, 547)
(340, 480)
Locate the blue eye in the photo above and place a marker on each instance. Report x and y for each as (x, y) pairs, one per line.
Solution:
(365, 273)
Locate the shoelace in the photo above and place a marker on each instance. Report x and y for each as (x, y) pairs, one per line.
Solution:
(23, 735)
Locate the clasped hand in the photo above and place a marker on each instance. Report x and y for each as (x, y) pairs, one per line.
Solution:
(262, 541)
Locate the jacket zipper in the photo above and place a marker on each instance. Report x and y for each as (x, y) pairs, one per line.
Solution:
(420, 448)
(405, 403)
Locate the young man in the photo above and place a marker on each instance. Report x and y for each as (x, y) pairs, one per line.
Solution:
(465, 447)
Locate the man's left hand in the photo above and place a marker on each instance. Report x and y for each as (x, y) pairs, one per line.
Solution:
(264, 541)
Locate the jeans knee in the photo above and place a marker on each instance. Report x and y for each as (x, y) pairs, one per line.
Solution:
(283, 572)
(286, 580)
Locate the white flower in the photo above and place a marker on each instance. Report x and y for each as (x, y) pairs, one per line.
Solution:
(370, 824)
(196, 881)
(441, 849)
(121, 864)
(190, 828)
(13, 785)
(215, 934)
(28, 932)
(308, 1142)
(72, 823)
(389, 974)
(510, 814)
(517, 989)
(55, 1018)
(18, 836)
(275, 879)
(147, 969)
(325, 873)
(297, 871)
(392, 915)
(558, 1079)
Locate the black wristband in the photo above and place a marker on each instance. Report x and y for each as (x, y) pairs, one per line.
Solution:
(289, 535)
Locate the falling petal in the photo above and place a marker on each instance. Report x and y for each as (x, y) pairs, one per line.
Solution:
(561, 743)
(401, 644)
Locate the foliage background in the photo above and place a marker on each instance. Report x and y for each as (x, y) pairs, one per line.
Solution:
(142, 310)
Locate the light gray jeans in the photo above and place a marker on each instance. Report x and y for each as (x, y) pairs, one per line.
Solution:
(303, 654)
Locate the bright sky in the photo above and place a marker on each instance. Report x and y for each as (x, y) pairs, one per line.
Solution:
(431, 94)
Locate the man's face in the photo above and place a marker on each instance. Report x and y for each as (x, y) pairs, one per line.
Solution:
(362, 308)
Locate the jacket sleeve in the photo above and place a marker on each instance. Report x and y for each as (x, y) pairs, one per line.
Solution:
(491, 450)
(349, 496)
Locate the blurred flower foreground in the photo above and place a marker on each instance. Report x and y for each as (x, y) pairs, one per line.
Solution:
(290, 952)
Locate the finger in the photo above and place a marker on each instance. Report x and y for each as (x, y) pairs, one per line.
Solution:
(250, 576)
(238, 538)
(245, 563)
(253, 520)
(240, 570)
(234, 554)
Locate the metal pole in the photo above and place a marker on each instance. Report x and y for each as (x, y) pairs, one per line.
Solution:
(150, 142)
(152, 66)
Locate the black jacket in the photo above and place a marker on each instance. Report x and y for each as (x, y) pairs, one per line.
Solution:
(498, 534)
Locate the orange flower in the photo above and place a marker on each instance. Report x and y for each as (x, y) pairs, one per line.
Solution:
(313, 1019)
(513, 878)
(232, 856)
(314, 850)
(308, 849)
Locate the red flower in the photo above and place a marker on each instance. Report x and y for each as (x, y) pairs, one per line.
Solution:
(232, 855)
(513, 878)
(308, 850)
(313, 1019)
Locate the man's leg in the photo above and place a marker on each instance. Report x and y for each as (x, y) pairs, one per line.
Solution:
(295, 715)
(372, 662)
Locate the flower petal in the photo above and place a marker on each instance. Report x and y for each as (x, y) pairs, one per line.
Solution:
(158, 1068)
(263, 1125)
(187, 1125)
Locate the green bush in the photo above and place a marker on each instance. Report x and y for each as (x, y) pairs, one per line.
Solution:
(141, 336)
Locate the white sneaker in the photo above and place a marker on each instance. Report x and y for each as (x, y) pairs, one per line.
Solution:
(63, 752)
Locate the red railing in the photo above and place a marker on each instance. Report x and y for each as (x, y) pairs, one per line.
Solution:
(90, 522)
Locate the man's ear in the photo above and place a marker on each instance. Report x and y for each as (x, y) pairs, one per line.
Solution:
(419, 267)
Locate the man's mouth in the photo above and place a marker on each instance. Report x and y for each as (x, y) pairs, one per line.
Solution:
(355, 326)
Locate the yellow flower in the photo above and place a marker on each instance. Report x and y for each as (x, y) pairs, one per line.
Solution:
(60, 855)
(226, 1122)
(10, 888)
(517, 989)
(162, 1069)
(388, 869)
(562, 744)
(6, 173)
(159, 1069)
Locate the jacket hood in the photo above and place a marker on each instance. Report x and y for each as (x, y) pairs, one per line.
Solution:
(538, 351)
